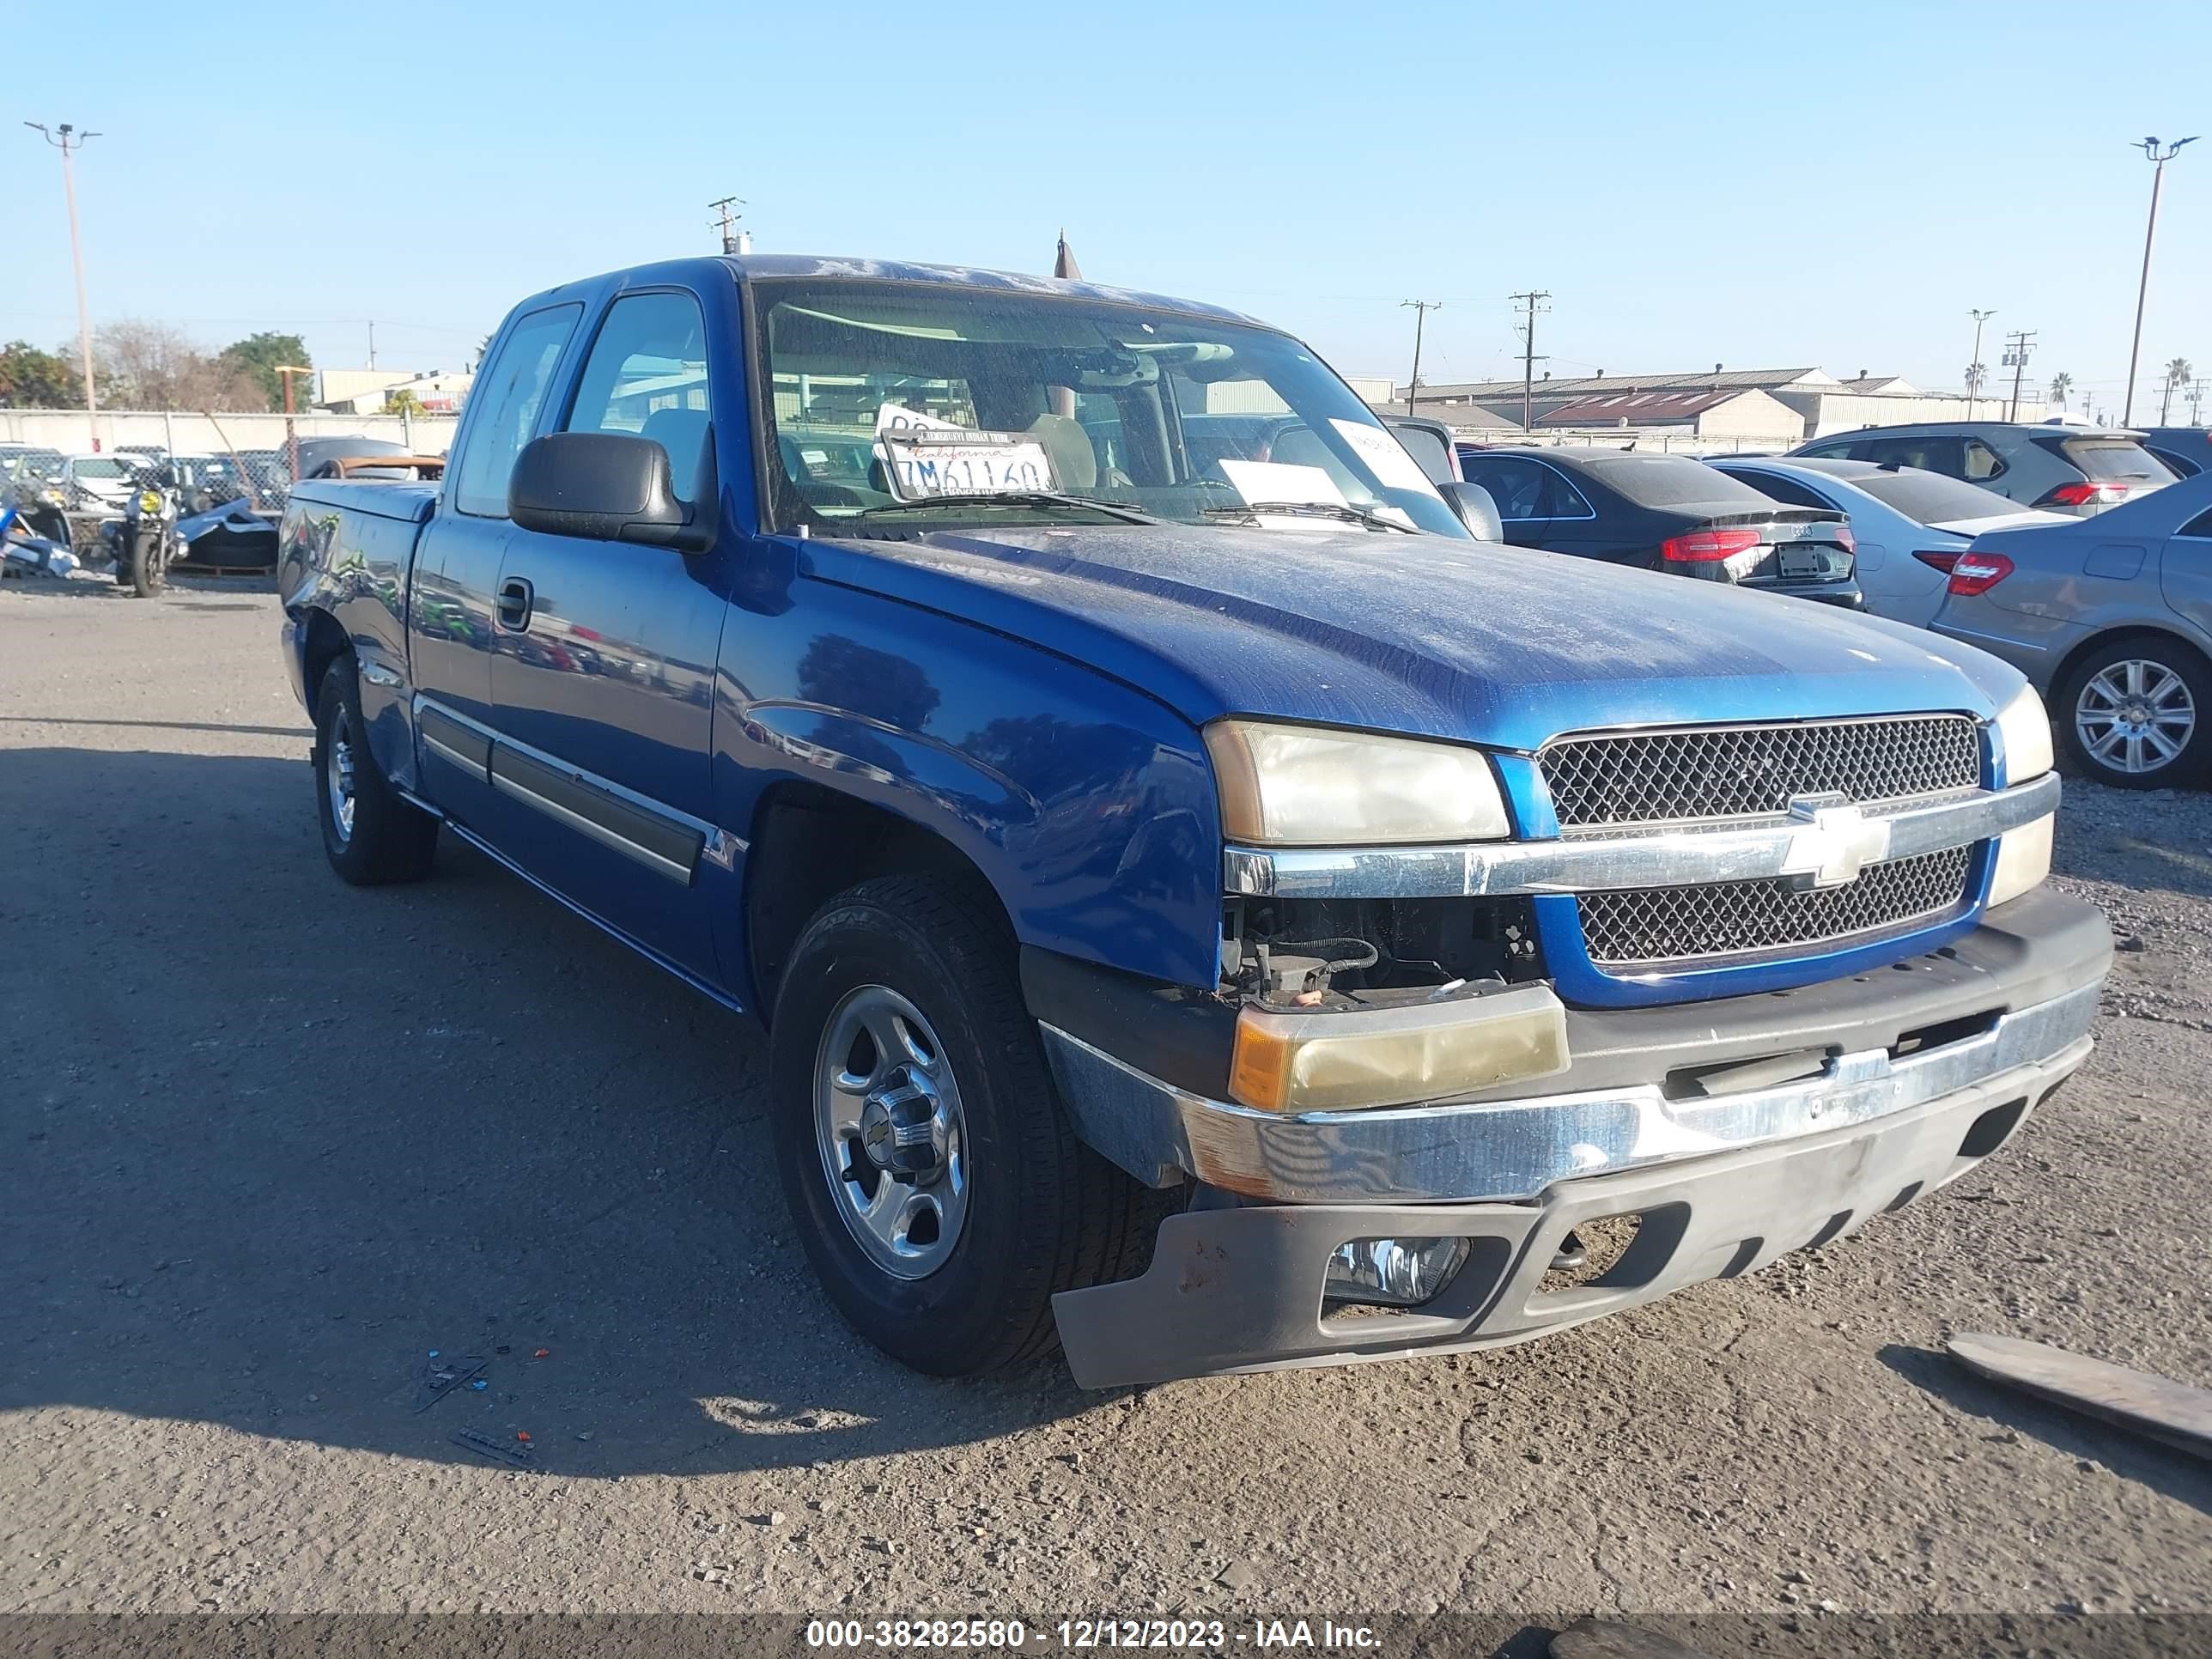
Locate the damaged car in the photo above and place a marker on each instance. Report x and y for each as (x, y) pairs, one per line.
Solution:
(1206, 909)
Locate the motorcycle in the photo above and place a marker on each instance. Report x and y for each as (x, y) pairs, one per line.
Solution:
(143, 541)
(35, 531)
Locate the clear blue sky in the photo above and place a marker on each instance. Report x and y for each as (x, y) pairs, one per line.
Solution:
(1759, 185)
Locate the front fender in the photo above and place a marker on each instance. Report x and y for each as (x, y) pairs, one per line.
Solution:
(1088, 806)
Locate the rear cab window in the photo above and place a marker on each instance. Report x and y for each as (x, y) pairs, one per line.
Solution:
(505, 401)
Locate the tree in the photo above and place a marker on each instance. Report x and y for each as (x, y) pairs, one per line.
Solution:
(152, 365)
(401, 401)
(260, 356)
(32, 379)
(2061, 384)
(2177, 375)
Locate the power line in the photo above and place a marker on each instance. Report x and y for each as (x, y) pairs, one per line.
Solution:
(735, 239)
(1531, 302)
(1421, 310)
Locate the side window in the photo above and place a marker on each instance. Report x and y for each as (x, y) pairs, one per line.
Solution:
(1839, 449)
(647, 378)
(1560, 499)
(1981, 462)
(1516, 486)
(511, 392)
(1786, 490)
(2200, 526)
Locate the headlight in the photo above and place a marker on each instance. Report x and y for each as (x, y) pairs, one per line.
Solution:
(1290, 786)
(2024, 734)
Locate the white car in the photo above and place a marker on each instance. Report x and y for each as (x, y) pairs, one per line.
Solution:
(99, 481)
(1910, 525)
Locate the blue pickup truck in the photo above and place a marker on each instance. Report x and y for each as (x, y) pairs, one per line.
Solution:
(1205, 907)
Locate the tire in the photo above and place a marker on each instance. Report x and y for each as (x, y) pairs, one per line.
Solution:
(386, 838)
(147, 575)
(1037, 1212)
(2167, 685)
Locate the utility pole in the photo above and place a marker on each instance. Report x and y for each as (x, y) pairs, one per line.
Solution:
(1531, 303)
(735, 239)
(2158, 157)
(2196, 402)
(68, 140)
(1974, 364)
(2018, 344)
(284, 373)
(372, 343)
(1421, 310)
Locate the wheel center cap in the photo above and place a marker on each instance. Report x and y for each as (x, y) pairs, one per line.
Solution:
(902, 1126)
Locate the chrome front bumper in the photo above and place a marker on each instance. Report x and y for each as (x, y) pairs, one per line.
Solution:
(1461, 1152)
(1591, 862)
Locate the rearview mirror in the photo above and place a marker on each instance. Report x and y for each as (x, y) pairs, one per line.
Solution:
(605, 486)
(1475, 507)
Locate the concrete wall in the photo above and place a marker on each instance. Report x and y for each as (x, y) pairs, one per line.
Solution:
(68, 431)
(1828, 413)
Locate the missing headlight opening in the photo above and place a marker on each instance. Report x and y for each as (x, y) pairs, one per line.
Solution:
(1345, 953)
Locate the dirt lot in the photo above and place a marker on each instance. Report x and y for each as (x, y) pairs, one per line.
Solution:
(269, 1141)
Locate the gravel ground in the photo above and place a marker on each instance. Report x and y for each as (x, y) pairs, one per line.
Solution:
(269, 1141)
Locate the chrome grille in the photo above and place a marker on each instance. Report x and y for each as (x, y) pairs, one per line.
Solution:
(1750, 771)
(1678, 924)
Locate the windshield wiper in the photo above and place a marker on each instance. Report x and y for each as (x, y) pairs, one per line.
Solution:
(1343, 510)
(1014, 498)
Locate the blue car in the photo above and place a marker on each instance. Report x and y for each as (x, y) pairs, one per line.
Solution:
(1205, 909)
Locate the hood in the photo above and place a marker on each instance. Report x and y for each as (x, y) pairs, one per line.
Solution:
(1422, 635)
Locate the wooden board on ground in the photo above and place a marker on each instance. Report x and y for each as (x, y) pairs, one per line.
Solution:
(2156, 1406)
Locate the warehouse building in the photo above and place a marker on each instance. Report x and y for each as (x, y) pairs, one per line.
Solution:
(1816, 403)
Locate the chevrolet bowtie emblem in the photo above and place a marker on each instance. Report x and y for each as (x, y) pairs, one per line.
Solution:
(1836, 841)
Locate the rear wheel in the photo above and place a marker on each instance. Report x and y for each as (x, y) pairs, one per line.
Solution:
(2132, 714)
(371, 833)
(936, 1183)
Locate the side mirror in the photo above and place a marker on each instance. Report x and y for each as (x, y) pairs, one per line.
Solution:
(602, 485)
(1475, 508)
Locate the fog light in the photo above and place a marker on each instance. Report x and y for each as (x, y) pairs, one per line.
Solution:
(1393, 1273)
(1330, 1061)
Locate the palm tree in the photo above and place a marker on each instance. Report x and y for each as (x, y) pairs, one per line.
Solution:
(2178, 374)
(2061, 384)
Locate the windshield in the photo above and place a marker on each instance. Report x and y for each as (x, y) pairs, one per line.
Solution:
(888, 399)
(1929, 497)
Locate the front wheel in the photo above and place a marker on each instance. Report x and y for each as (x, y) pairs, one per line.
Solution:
(2133, 714)
(934, 1180)
(149, 571)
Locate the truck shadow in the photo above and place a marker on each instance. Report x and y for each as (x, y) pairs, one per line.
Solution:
(2131, 1456)
(272, 1140)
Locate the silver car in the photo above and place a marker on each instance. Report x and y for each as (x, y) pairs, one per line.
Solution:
(2078, 470)
(1910, 526)
(2111, 619)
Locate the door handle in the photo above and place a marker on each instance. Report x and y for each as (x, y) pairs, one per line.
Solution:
(515, 597)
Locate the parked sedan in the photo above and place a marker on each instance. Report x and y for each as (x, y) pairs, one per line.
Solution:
(2185, 450)
(1665, 513)
(2080, 471)
(2111, 619)
(1910, 526)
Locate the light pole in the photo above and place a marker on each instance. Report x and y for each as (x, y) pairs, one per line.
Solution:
(68, 140)
(2158, 157)
(1974, 364)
